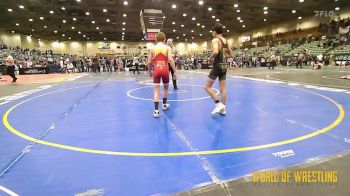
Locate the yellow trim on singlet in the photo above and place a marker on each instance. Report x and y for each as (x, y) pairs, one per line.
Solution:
(160, 51)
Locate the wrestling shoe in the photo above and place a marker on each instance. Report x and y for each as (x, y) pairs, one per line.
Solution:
(156, 114)
(223, 111)
(166, 106)
(218, 108)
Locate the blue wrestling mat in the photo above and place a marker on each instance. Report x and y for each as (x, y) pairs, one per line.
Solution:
(101, 138)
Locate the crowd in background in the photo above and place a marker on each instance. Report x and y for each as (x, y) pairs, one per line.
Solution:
(25, 58)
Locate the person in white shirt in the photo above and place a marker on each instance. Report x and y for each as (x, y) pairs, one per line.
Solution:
(136, 63)
(10, 63)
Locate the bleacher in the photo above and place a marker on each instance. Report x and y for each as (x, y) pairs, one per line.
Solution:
(312, 47)
(342, 50)
(284, 48)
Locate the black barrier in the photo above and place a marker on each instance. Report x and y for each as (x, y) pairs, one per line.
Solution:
(35, 70)
(3, 69)
(206, 66)
(132, 67)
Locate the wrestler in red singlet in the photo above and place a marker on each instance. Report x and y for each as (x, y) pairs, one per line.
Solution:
(160, 58)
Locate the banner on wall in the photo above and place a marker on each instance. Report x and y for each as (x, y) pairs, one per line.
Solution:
(103, 46)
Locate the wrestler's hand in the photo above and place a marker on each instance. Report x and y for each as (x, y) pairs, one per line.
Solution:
(211, 61)
(150, 73)
(175, 76)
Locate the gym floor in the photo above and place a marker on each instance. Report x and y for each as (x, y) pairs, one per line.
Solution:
(94, 134)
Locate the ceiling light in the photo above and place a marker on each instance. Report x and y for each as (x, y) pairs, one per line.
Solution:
(84, 35)
(17, 24)
(265, 19)
(79, 32)
(30, 20)
(212, 16)
(294, 11)
(238, 11)
(12, 31)
(64, 21)
(55, 31)
(69, 38)
(300, 17)
(87, 13)
(265, 12)
(266, 8)
(52, 12)
(93, 22)
(193, 18)
(184, 15)
(198, 24)
(97, 28)
(203, 27)
(217, 20)
(41, 18)
(243, 26)
(182, 25)
(78, 1)
(173, 6)
(74, 19)
(108, 20)
(224, 27)
(45, 27)
(123, 29)
(200, 2)
(33, 30)
(235, 5)
(126, 3)
(174, 30)
(63, 35)
(104, 10)
(200, 35)
(177, 37)
(123, 33)
(301, 1)
(63, 8)
(337, 8)
(10, 10)
(73, 27)
(173, 23)
(21, 6)
(228, 31)
(210, 9)
(124, 15)
(241, 21)
(238, 18)
(101, 32)
(184, 35)
(192, 31)
(124, 23)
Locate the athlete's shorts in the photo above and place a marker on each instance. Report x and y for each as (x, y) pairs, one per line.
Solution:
(218, 72)
(163, 75)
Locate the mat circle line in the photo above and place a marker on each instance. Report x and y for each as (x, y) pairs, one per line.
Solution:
(129, 94)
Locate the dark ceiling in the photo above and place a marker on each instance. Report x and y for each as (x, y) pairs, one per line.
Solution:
(251, 12)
